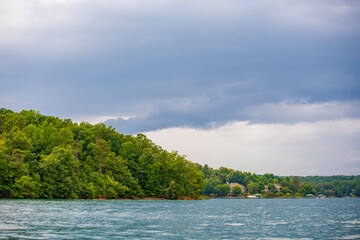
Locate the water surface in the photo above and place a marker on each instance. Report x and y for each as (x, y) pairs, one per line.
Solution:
(161, 219)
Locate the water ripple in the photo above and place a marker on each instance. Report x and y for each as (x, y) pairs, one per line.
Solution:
(210, 219)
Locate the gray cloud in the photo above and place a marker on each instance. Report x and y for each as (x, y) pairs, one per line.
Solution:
(211, 116)
(179, 63)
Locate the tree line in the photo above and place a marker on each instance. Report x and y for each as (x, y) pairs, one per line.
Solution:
(335, 186)
(47, 157)
(268, 185)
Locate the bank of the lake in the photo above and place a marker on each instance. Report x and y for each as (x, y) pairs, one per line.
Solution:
(212, 219)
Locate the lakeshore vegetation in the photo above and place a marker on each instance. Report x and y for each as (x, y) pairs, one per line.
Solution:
(47, 157)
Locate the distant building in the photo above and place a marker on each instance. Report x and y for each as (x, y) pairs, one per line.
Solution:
(243, 188)
(277, 187)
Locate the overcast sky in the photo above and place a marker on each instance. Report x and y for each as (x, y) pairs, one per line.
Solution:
(261, 86)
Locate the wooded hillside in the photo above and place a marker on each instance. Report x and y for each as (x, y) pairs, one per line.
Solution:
(47, 157)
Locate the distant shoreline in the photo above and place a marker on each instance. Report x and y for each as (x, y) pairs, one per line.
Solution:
(243, 197)
(171, 199)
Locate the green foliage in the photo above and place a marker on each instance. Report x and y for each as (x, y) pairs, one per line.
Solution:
(222, 189)
(236, 190)
(306, 188)
(313, 180)
(210, 184)
(46, 157)
(357, 190)
(236, 177)
(253, 187)
(26, 187)
(296, 183)
(338, 188)
(271, 187)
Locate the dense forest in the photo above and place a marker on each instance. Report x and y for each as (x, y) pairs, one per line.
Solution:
(47, 157)
(335, 186)
(269, 185)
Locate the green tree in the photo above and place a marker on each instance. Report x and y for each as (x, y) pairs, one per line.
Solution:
(236, 190)
(253, 187)
(206, 171)
(235, 177)
(287, 183)
(357, 190)
(296, 183)
(306, 188)
(210, 185)
(222, 189)
(58, 174)
(271, 187)
(26, 187)
(66, 137)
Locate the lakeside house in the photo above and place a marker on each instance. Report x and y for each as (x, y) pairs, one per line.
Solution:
(243, 188)
(277, 187)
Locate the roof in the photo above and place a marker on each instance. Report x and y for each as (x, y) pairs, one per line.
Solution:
(276, 186)
(234, 184)
(243, 188)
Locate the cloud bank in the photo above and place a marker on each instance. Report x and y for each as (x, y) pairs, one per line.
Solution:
(318, 148)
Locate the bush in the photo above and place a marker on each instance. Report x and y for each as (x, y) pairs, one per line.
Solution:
(222, 189)
(236, 190)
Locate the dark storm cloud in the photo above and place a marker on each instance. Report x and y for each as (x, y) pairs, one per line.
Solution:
(181, 63)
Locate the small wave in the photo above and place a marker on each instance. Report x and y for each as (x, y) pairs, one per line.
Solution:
(354, 222)
(153, 231)
(243, 215)
(357, 236)
(277, 223)
(11, 227)
(284, 238)
(153, 226)
(235, 224)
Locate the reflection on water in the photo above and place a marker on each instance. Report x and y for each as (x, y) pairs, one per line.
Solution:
(160, 219)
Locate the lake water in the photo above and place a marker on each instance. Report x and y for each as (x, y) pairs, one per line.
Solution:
(161, 219)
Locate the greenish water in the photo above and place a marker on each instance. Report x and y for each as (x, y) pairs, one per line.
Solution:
(160, 219)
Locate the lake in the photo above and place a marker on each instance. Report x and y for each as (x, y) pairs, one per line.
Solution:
(166, 219)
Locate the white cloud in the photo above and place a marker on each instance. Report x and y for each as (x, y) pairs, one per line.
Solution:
(100, 119)
(94, 119)
(317, 148)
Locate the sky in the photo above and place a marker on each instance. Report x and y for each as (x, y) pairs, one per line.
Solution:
(260, 86)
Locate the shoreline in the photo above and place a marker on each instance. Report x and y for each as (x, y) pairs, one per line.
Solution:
(243, 197)
(172, 199)
(104, 198)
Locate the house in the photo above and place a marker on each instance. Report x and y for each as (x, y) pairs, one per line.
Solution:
(277, 187)
(243, 188)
